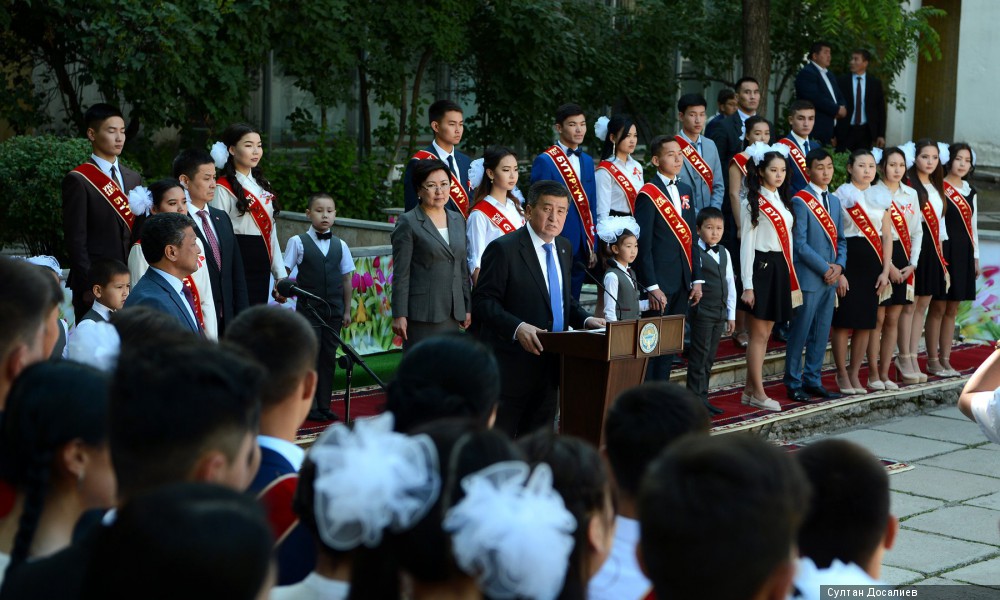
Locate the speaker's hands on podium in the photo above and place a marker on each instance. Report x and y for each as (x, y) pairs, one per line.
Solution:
(595, 323)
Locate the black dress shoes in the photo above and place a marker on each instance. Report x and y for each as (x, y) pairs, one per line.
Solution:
(798, 395)
(821, 392)
(322, 415)
(713, 409)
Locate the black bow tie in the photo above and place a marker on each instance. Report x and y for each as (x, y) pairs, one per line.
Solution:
(671, 182)
(714, 248)
(572, 151)
(324, 236)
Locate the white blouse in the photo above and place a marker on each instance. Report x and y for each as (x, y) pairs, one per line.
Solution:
(906, 198)
(480, 231)
(611, 293)
(610, 195)
(245, 225)
(137, 267)
(873, 200)
(763, 237)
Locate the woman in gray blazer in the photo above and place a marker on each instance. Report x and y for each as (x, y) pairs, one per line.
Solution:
(431, 292)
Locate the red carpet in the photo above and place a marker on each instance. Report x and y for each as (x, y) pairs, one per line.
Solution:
(365, 402)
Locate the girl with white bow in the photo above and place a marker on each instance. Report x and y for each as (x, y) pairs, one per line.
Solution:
(496, 203)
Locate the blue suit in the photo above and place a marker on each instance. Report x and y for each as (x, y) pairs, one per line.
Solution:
(703, 196)
(543, 169)
(463, 162)
(810, 85)
(155, 291)
(813, 254)
(796, 181)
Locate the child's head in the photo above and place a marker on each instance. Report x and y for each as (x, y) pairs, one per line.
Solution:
(105, 130)
(758, 129)
(960, 160)
(704, 496)
(321, 211)
(622, 136)
(802, 117)
(819, 163)
(711, 225)
(621, 234)
(691, 113)
(244, 145)
(447, 121)
(848, 518)
(666, 153)
(499, 171)
(140, 326)
(893, 165)
(110, 280)
(726, 100)
(571, 124)
(861, 167)
(167, 196)
(195, 169)
(24, 312)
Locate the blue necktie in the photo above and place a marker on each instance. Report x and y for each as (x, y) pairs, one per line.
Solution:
(806, 144)
(555, 293)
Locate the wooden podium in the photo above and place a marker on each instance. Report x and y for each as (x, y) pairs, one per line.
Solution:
(596, 365)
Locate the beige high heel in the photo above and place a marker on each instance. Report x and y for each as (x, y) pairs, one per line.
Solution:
(934, 368)
(902, 374)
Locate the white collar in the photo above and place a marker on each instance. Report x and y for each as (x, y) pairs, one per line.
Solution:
(861, 75)
(174, 282)
(102, 310)
(290, 451)
(819, 192)
(666, 180)
(316, 233)
(772, 196)
(627, 529)
(821, 69)
(564, 147)
(684, 135)
(440, 151)
(194, 210)
(245, 179)
(103, 164)
(801, 141)
(497, 203)
(743, 116)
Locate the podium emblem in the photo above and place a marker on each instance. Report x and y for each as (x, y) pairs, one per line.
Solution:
(649, 337)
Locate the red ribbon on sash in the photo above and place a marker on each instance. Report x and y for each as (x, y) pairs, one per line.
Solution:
(934, 228)
(495, 216)
(963, 206)
(696, 161)
(108, 188)
(277, 501)
(457, 192)
(575, 188)
(864, 225)
(256, 209)
(741, 162)
(196, 296)
(797, 157)
(785, 238)
(821, 214)
(903, 231)
(674, 220)
(623, 182)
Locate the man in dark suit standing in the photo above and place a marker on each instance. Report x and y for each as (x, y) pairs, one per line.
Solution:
(170, 247)
(815, 83)
(97, 222)
(448, 124)
(195, 169)
(864, 126)
(726, 99)
(524, 288)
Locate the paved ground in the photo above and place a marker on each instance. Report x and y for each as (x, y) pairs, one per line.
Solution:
(948, 505)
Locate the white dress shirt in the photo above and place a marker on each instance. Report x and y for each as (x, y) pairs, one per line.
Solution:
(443, 155)
(906, 198)
(178, 287)
(868, 202)
(480, 231)
(610, 195)
(826, 79)
(620, 577)
(193, 212)
(574, 161)
(244, 224)
(102, 310)
(763, 237)
(294, 251)
(859, 107)
(291, 452)
(137, 267)
(802, 142)
(730, 277)
(611, 292)
(105, 166)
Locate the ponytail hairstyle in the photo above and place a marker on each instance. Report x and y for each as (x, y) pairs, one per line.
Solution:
(855, 155)
(754, 180)
(749, 123)
(953, 151)
(50, 404)
(936, 177)
(230, 137)
(491, 161)
(618, 126)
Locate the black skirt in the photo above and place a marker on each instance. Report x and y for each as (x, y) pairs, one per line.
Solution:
(772, 288)
(256, 268)
(930, 275)
(858, 309)
(961, 259)
(898, 289)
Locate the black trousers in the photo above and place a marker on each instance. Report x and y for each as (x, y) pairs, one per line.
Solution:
(529, 394)
(658, 368)
(705, 335)
(326, 361)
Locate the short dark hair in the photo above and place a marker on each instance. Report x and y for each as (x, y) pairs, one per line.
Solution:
(422, 169)
(320, 196)
(139, 326)
(709, 212)
(865, 54)
(102, 270)
(160, 187)
(704, 494)
(98, 113)
(800, 104)
(656, 146)
(817, 47)
(725, 95)
(545, 187)
(814, 155)
(643, 421)
(162, 230)
(189, 161)
(172, 402)
(282, 341)
(24, 302)
(568, 110)
(688, 100)
(437, 110)
(745, 79)
(849, 510)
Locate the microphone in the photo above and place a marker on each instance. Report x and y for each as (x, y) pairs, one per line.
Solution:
(586, 271)
(287, 288)
(611, 263)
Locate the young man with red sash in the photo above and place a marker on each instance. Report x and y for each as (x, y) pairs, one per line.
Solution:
(802, 118)
(667, 265)
(448, 124)
(97, 222)
(702, 168)
(820, 257)
(567, 164)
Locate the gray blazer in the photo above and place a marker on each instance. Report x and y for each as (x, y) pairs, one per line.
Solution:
(430, 281)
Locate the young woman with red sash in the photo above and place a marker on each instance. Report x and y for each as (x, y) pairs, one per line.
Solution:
(867, 227)
(496, 208)
(246, 195)
(619, 176)
(770, 285)
(933, 278)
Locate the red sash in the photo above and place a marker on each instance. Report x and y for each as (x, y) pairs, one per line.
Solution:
(276, 499)
(256, 209)
(963, 206)
(934, 227)
(575, 188)
(864, 225)
(495, 216)
(785, 237)
(189, 284)
(741, 162)
(623, 182)
(457, 192)
(818, 211)
(903, 231)
(797, 157)
(108, 188)
(695, 160)
(674, 221)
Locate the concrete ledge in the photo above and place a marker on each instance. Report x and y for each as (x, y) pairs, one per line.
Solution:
(355, 232)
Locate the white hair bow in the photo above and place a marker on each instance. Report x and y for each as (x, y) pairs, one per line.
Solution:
(909, 150)
(140, 201)
(758, 150)
(601, 128)
(944, 153)
(877, 153)
(220, 154)
(476, 170)
(609, 228)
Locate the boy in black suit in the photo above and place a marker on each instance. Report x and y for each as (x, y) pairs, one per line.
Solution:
(110, 286)
(448, 124)
(667, 265)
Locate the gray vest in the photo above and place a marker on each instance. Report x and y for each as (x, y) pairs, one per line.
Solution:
(321, 274)
(628, 296)
(715, 291)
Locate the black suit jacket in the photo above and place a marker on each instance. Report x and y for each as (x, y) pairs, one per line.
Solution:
(809, 85)
(662, 260)
(727, 135)
(229, 286)
(92, 228)
(875, 107)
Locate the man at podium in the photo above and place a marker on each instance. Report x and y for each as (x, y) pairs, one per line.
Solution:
(523, 288)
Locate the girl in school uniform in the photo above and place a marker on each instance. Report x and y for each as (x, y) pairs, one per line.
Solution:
(246, 196)
(932, 278)
(770, 286)
(867, 227)
(907, 236)
(619, 176)
(496, 203)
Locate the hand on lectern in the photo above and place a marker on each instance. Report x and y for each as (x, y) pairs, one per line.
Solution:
(595, 323)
